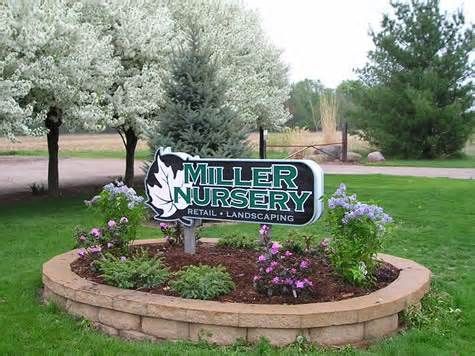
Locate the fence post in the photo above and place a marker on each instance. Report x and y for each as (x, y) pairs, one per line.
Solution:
(262, 143)
(344, 141)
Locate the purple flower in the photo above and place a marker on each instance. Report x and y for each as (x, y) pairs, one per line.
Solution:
(256, 278)
(123, 258)
(262, 258)
(264, 230)
(163, 226)
(269, 269)
(293, 270)
(300, 284)
(82, 253)
(275, 280)
(288, 253)
(274, 264)
(111, 224)
(124, 220)
(110, 245)
(308, 282)
(289, 281)
(304, 264)
(96, 232)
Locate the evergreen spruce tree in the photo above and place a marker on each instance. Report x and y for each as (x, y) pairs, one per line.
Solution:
(194, 118)
(417, 88)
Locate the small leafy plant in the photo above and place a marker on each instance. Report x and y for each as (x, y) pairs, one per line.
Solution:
(202, 282)
(299, 242)
(138, 271)
(358, 231)
(239, 241)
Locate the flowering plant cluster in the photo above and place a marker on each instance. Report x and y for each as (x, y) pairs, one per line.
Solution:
(281, 272)
(172, 234)
(112, 238)
(357, 231)
(117, 201)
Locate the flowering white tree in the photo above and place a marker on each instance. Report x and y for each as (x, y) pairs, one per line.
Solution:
(141, 34)
(57, 70)
(248, 61)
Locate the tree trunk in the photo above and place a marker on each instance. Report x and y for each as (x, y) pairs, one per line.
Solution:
(52, 123)
(130, 145)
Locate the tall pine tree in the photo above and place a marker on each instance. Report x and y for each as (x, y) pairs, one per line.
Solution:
(194, 118)
(417, 92)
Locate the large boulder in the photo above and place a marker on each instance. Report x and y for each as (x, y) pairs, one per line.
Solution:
(375, 156)
(353, 156)
(333, 151)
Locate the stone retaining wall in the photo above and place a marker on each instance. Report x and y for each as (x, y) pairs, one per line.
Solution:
(144, 316)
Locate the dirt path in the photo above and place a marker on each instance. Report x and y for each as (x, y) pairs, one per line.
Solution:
(18, 173)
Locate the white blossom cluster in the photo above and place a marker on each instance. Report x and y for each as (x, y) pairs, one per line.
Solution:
(56, 62)
(104, 62)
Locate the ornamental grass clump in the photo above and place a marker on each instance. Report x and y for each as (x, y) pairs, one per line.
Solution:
(358, 230)
(202, 282)
(135, 272)
(280, 271)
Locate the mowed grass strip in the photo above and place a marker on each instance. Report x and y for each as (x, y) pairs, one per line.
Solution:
(435, 227)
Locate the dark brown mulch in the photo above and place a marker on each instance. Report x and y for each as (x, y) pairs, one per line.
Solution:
(242, 266)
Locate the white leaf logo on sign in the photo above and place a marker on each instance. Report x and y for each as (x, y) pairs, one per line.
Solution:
(162, 196)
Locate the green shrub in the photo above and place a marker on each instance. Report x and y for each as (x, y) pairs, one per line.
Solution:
(239, 241)
(299, 242)
(139, 271)
(202, 282)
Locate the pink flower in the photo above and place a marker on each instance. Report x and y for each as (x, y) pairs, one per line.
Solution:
(256, 278)
(304, 264)
(293, 271)
(111, 224)
(110, 245)
(288, 253)
(95, 249)
(163, 226)
(308, 282)
(82, 238)
(275, 280)
(300, 284)
(82, 253)
(96, 232)
(124, 220)
(262, 258)
(269, 269)
(274, 264)
(275, 248)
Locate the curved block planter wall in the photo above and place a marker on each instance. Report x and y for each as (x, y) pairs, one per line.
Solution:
(138, 315)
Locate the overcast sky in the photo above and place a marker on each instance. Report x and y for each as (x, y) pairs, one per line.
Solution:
(327, 39)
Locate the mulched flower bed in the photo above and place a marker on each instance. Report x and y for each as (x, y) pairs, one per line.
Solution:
(242, 266)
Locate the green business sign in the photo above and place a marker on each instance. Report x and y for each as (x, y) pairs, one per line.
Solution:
(182, 187)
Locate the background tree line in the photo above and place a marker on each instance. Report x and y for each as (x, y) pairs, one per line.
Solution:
(414, 98)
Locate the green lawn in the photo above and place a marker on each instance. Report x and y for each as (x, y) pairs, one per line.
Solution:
(435, 227)
(465, 162)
